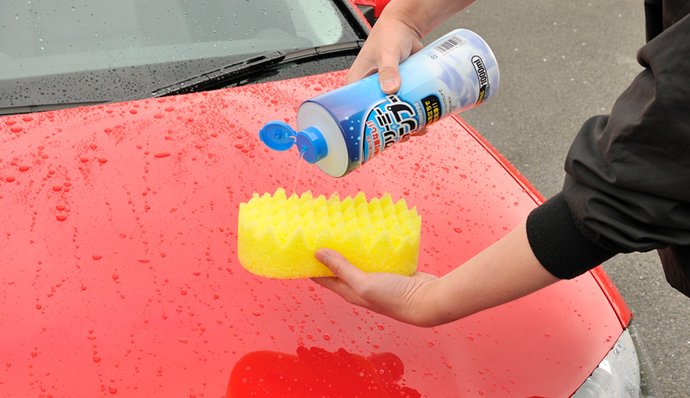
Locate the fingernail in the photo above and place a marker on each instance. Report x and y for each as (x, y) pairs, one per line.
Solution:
(388, 84)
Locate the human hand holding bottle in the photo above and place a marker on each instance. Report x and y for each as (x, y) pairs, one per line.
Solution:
(397, 35)
(391, 42)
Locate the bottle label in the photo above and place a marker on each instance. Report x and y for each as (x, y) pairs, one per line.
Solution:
(393, 119)
(450, 44)
(387, 123)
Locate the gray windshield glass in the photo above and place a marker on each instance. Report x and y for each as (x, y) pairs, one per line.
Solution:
(52, 50)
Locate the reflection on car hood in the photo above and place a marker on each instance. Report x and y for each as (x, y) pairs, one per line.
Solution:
(121, 274)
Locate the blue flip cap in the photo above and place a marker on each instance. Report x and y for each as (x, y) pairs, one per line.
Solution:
(280, 136)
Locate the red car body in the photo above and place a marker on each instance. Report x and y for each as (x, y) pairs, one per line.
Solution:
(120, 273)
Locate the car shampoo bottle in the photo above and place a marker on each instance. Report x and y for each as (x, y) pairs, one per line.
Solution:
(345, 128)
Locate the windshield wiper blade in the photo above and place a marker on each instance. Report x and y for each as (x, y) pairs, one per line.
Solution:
(323, 51)
(30, 108)
(221, 76)
(257, 65)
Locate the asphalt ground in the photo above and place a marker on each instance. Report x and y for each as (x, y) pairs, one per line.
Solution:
(562, 62)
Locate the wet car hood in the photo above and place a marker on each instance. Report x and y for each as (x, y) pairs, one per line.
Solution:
(120, 272)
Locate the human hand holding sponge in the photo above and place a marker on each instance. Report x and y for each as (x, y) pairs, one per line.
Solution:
(278, 236)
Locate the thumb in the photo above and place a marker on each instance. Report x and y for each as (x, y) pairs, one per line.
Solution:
(388, 68)
(389, 74)
(347, 275)
(339, 265)
(389, 78)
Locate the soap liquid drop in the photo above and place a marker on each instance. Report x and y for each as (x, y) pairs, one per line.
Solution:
(299, 167)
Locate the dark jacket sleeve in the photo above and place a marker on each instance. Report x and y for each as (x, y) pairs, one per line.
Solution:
(627, 185)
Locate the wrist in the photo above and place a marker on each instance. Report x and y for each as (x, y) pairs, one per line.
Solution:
(404, 15)
(429, 306)
(421, 17)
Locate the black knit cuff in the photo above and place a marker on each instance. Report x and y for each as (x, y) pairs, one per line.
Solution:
(558, 243)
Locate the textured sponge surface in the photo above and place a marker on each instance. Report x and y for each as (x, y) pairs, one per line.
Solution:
(278, 235)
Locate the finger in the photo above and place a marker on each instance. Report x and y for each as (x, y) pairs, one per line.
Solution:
(334, 284)
(346, 276)
(389, 75)
(340, 288)
(387, 67)
(417, 133)
(420, 132)
(338, 264)
(361, 68)
(392, 55)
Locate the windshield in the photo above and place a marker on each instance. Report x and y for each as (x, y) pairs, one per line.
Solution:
(86, 51)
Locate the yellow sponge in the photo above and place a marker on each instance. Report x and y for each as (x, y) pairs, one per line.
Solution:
(277, 236)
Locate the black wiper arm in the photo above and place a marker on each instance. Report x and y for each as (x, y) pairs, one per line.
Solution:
(221, 76)
(238, 71)
(323, 51)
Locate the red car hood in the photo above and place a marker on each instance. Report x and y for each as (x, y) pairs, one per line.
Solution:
(120, 273)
